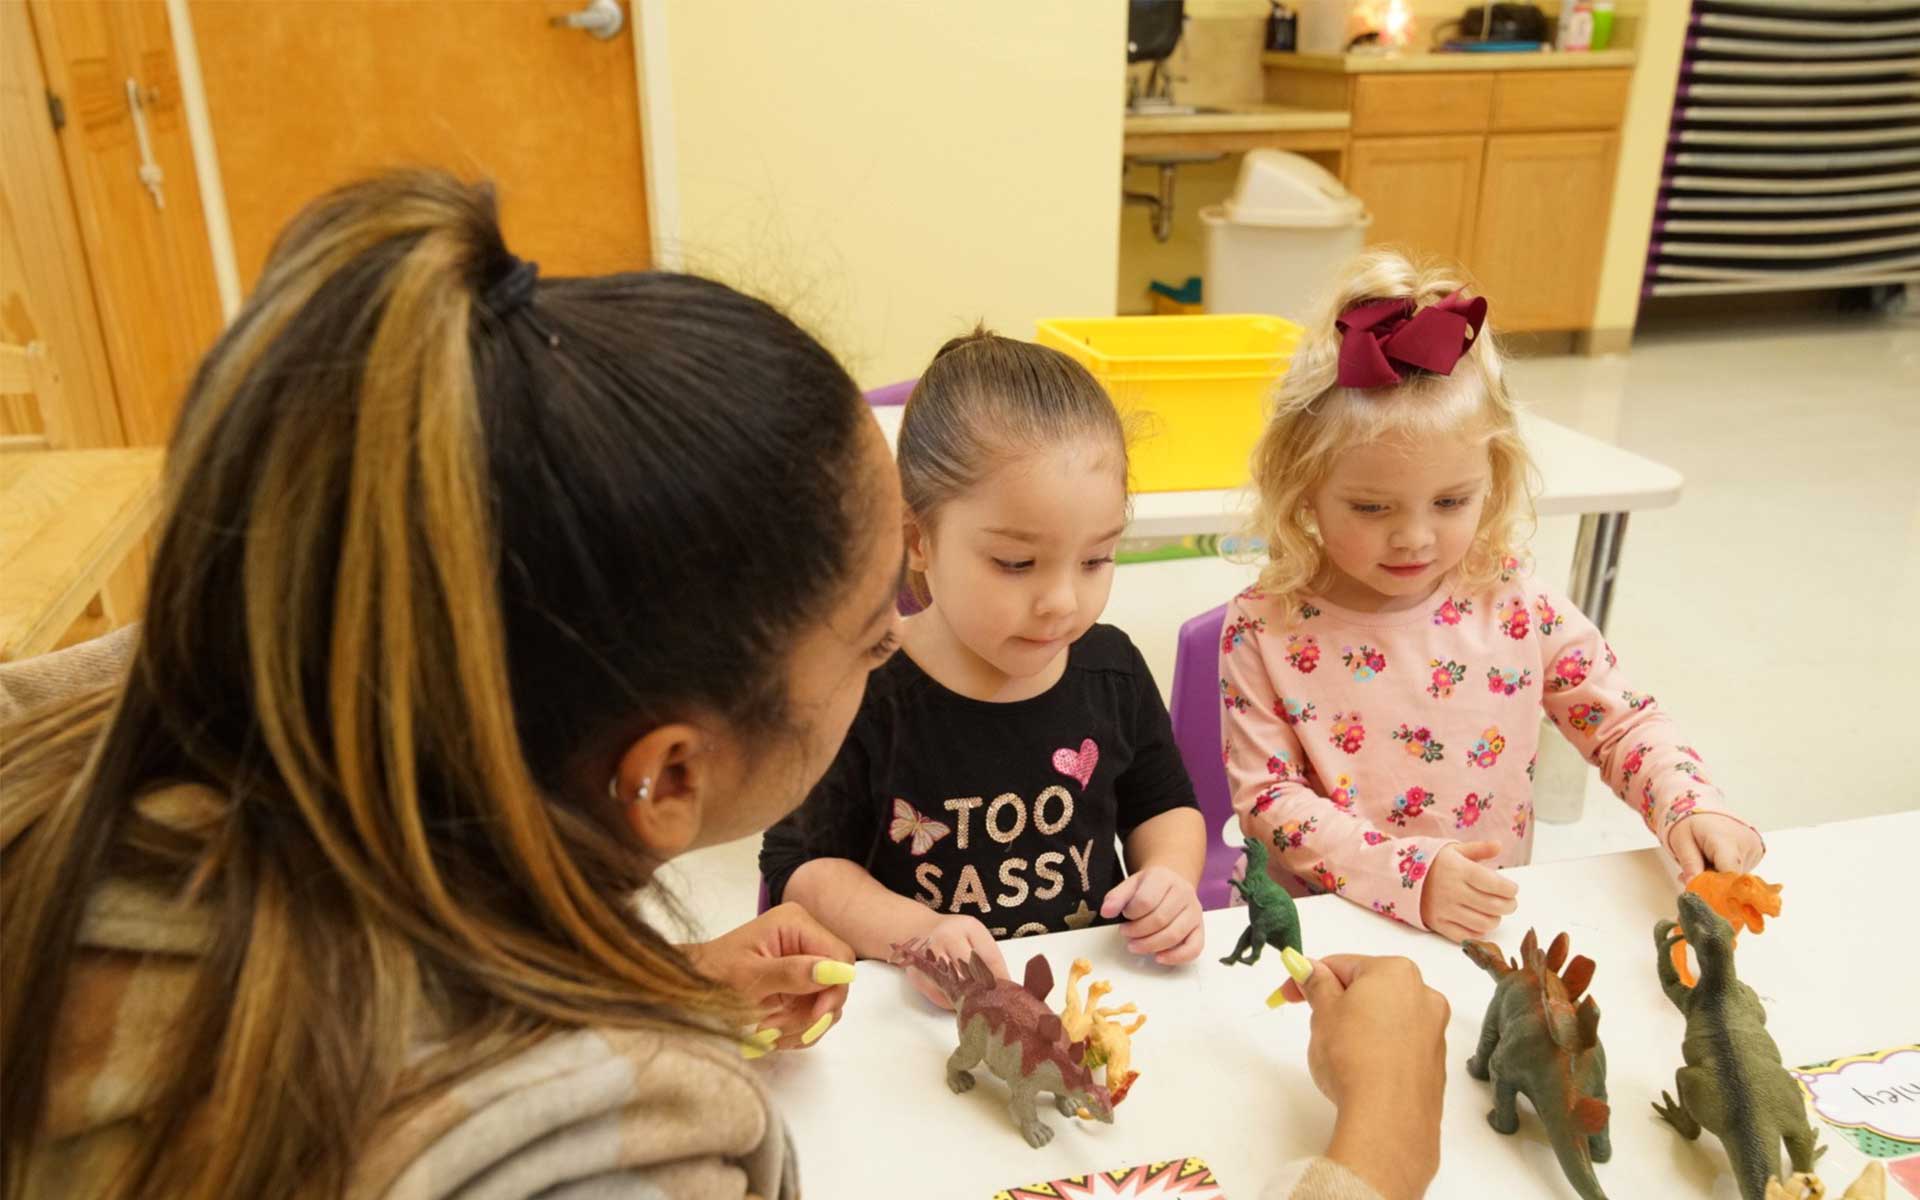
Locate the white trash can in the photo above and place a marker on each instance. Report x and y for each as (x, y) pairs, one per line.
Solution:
(1275, 245)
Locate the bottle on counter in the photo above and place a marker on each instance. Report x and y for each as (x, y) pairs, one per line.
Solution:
(1602, 24)
(1576, 27)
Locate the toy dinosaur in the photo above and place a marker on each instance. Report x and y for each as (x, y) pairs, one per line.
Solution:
(1746, 901)
(1008, 1026)
(1109, 1043)
(1534, 1041)
(1272, 920)
(1733, 1083)
(1872, 1185)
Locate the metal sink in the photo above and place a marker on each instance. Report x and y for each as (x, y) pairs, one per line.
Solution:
(1154, 108)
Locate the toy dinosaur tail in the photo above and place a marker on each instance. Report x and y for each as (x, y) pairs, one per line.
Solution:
(951, 978)
(1570, 1146)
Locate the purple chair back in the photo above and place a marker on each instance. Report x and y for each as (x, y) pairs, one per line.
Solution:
(1196, 731)
(891, 394)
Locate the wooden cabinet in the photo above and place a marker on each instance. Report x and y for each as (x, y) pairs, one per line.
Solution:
(1544, 203)
(1423, 192)
(1508, 172)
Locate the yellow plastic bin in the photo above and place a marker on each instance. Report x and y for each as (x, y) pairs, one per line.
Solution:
(1194, 389)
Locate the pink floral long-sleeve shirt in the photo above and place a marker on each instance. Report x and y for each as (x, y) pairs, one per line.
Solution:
(1359, 745)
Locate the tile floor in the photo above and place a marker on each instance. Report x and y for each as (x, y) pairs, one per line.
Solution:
(1773, 610)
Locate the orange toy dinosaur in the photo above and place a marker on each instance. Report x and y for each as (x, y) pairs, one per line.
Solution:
(1746, 901)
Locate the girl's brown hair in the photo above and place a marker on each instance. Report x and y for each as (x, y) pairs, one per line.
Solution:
(430, 561)
(986, 401)
(1314, 420)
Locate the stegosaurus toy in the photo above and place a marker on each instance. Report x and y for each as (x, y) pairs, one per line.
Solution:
(1534, 1041)
(1008, 1026)
(1733, 1083)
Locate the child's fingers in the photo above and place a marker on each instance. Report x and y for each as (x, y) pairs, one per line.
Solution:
(1171, 935)
(1687, 854)
(1121, 896)
(1494, 903)
(1189, 948)
(1147, 922)
(1492, 883)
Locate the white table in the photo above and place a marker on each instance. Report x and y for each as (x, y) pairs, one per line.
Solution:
(1223, 1077)
(1579, 475)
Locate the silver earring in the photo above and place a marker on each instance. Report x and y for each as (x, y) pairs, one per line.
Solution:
(640, 795)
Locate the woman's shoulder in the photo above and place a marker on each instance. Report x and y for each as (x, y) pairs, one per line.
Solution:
(585, 1103)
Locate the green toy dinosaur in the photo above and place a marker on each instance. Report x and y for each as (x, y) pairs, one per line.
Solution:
(1008, 1026)
(1734, 1083)
(1272, 920)
(1534, 1041)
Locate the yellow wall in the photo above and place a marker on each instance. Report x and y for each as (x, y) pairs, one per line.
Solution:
(892, 172)
(1636, 185)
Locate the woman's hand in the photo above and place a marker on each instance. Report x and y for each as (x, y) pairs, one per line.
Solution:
(1710, 841)
(1163, 915)
(1463, 898)
(1378, 1051)
(787, 964)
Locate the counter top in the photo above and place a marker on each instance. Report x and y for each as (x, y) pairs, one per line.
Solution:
(1250, 117)
(1366, 64)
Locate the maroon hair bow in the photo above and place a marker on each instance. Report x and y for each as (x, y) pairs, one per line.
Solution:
(1382, 341)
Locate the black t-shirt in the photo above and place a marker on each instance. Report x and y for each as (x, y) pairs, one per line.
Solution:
(1005, 812)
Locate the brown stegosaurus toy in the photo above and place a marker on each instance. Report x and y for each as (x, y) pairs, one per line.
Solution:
(1009, 1027)
(1535, 1041)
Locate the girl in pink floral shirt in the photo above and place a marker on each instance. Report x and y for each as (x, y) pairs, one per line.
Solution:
(1383, 681)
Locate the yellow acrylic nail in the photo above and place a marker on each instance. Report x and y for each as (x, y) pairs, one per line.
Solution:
(1278, 998)
(752, 1050)
(831, 973)
(1297, 964)
(764, 1038)
(814, 1031)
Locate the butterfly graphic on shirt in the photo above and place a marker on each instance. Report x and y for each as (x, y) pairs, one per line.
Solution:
(909, 823)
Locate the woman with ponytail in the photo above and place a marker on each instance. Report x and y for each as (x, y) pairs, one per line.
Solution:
(477, 597)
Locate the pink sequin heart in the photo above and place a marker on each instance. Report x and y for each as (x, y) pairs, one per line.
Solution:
(1078, 766)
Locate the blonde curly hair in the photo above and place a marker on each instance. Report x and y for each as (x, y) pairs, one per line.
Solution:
(1314, 421)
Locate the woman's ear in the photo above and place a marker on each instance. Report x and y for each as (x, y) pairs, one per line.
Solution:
(661, 784)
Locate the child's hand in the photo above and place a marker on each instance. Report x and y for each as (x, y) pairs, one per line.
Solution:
(1464, 899)
(1163, 916)
(957, 939)
(1709, 841)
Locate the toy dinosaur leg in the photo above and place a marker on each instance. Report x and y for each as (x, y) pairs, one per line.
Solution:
(973, 1048)
(1665, 934)
(1480, 1064)
(1026, 1115)
(1239, 948)
(1802, 1143)
(1599, 1145)
(1065, 1104)
(1504, 1118)
(1694, 1104)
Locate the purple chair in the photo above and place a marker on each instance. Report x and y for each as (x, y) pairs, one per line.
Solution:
(892, 394)
(1196, 731)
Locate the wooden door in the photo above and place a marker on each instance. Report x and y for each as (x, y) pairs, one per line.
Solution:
(1423, 192)
(46, 295)
(1544, 202)
(111, 64)
(307, 96)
